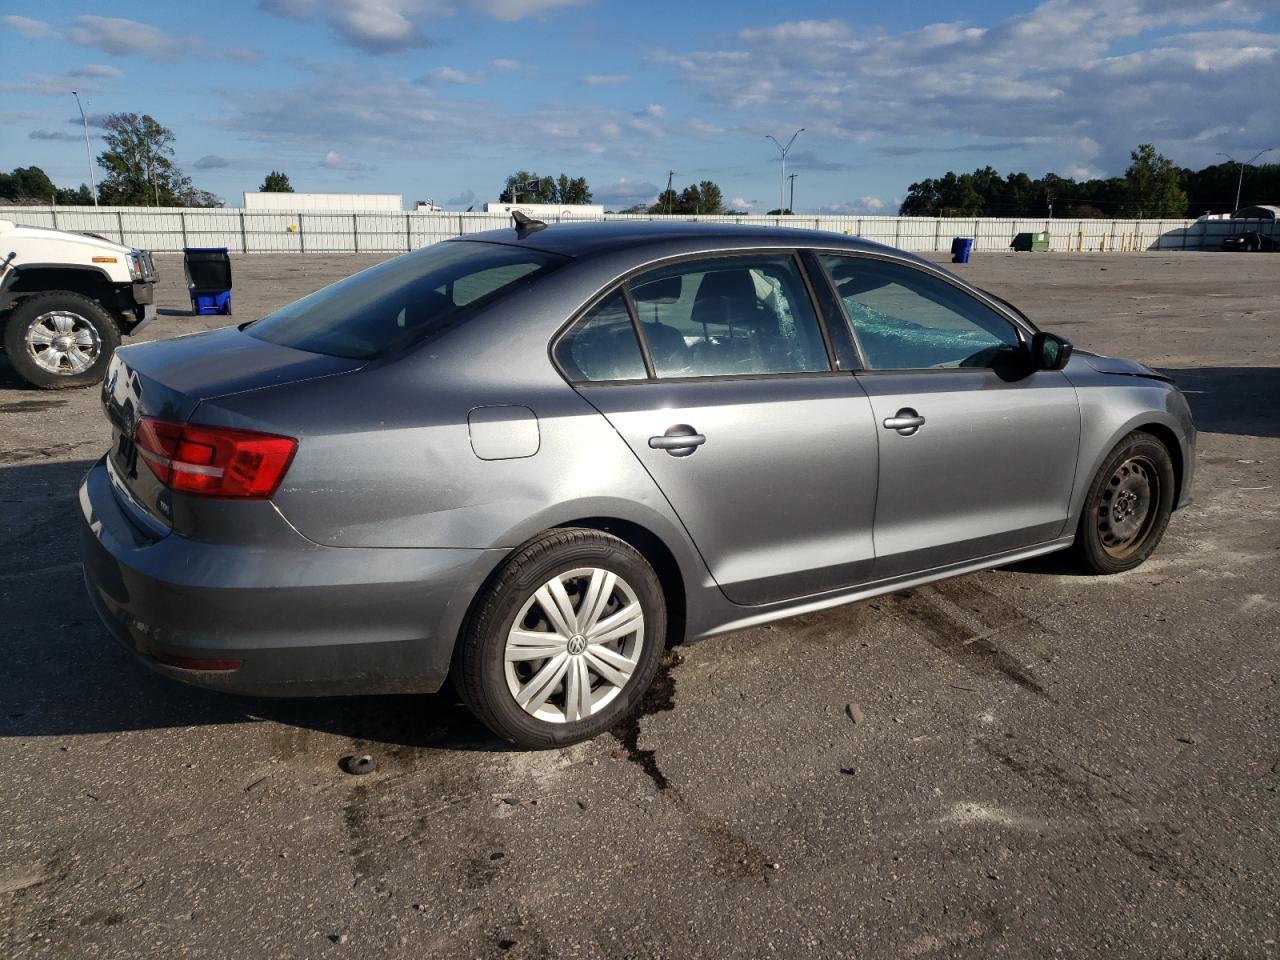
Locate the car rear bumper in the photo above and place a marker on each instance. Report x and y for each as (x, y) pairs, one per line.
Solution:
(295, 619)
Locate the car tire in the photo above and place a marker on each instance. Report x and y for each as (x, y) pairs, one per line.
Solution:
(40, 323)
(569, 687)
(1127, 507)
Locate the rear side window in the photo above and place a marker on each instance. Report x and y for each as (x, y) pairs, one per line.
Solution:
(402, 299)
(603, 345)
(729, 316)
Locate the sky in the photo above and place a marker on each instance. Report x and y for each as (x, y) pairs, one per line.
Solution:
(442, 99)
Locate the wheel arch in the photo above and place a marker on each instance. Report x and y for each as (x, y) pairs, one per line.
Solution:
(39, 278)
(650, 546)
(1169, 440)
(659, 556)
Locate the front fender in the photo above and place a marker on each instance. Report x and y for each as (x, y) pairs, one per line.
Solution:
(1111, 407)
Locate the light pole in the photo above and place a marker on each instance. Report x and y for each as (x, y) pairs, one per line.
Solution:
(88, 154)
(791, 204)
(1240, 182)
(783, 151)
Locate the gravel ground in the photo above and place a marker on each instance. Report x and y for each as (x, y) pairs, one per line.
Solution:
(1127, 808)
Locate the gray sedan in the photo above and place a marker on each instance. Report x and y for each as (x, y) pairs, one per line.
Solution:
(533, 458)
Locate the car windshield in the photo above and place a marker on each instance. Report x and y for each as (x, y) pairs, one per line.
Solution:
(402, 299)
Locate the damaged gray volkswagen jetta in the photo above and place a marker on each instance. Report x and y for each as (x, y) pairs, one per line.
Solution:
(532, 458)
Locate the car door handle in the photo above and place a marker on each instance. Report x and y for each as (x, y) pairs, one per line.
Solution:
(906, 421)
(679, 441)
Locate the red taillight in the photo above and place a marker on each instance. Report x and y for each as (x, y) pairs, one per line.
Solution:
(214, 461)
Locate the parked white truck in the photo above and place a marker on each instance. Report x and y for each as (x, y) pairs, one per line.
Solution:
(66, 299)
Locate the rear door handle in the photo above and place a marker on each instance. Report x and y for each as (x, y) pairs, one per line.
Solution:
(679, 441)
(906, 421)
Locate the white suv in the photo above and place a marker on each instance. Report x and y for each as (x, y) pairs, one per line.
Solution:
(66, 299)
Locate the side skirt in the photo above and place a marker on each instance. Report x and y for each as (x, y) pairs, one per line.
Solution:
(867, 590)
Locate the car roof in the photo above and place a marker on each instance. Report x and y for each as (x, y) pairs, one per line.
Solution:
(591, 239)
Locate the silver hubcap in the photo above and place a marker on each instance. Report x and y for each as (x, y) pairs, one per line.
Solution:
(574, 645)
(63, 343)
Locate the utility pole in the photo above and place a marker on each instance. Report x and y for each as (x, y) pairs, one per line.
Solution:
(669, 196)
(1240, 182)
(88, 154)
(783, 151)
(792, 205)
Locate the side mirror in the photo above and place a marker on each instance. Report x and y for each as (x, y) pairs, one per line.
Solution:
(1049, 351)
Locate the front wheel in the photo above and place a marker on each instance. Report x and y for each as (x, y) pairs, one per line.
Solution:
(564, 641)
(60, 339)
(1127, 508)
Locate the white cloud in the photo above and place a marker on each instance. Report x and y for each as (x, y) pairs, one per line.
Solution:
(91, 78)
(28, 27)
(605, 79)
(870, 206)
(625, 193)
(504, 65)
(121, 38)
(452, 75)
(333, 160)
(521, 9)
(1062, 79)
(656, 110)
(392, 26)
(740, 203)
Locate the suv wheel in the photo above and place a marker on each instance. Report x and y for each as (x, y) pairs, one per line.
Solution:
(564, 641)
(60, 339)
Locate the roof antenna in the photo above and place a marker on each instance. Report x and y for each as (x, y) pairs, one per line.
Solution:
(525, 224)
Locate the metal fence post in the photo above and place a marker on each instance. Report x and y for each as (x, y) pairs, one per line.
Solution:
(54, 211)
(244, 236)
(408, 237)
(182, 220)
(355, 233)
(120, 226)
(302, 238)
(459, 224)
(937, 234)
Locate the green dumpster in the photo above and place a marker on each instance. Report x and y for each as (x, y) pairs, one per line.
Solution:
(1026, 242)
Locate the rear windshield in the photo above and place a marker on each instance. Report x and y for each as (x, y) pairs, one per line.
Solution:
(402, 299)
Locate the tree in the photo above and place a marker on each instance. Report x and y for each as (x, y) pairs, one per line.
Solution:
(27, 183)
(140, 167)
(1153, 187)
(32, 183)
(276, 182)
(525, 187)
(704, 197)
(1213, 189)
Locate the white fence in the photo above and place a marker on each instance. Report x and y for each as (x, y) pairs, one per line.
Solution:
(167, 229)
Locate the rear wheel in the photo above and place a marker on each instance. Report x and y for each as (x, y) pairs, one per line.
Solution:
(60, 339)
(564, 641)
(1128, 505)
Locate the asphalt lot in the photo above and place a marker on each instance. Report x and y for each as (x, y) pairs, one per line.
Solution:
(1128, 807)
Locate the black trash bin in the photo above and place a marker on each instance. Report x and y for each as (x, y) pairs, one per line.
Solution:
(208, 272)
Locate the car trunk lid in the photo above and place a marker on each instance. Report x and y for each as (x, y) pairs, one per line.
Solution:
(168, 379)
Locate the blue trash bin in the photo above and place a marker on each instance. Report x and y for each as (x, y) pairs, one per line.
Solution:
(961, 247)
(208, 271)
